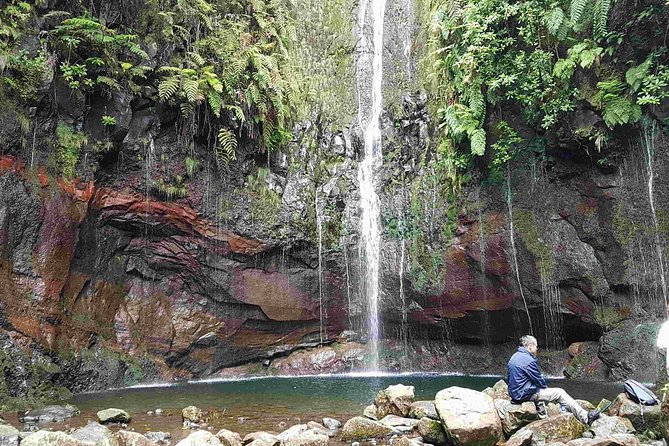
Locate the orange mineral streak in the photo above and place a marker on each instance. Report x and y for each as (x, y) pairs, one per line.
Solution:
(184, 218)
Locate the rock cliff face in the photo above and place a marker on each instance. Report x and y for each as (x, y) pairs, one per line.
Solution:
(111, 279)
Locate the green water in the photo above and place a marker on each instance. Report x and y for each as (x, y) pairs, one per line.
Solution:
(333, 394)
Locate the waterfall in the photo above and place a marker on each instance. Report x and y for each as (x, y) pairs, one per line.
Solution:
(509, 203)
(369, 201)
(319, 227)
(404, 327)
(648, 144)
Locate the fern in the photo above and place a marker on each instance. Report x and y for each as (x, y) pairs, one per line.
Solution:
(109, 82)
(226, 151)
(168, 87)
(555, 19)
(191, 88)
(600, 17)
(477, 139)
(577, 10)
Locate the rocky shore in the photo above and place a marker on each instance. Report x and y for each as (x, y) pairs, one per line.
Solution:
(456, 417)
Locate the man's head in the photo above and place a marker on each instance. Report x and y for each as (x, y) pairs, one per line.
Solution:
(530, 343)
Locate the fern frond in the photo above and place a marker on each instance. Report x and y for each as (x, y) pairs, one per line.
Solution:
(600, 17)
(215, 102)
(554, 20)
(226, 151)
(191, 89)
(477, 139)
(186, 109)
(577, 9)
(168, 87)
(109, 82)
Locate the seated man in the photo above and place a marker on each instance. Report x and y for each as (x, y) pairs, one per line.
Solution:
(527, 384)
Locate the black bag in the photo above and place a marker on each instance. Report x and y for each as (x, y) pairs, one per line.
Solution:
(639, 393)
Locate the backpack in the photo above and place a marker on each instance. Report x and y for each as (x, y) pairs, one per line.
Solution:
(639, 393)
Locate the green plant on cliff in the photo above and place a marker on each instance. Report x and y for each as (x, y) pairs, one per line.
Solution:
(95, 56)
(265, 203)
(69, 144)
(532, 237)
(245, 83)
(492, 60)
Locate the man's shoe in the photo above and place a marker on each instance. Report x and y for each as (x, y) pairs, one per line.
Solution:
(592, 416)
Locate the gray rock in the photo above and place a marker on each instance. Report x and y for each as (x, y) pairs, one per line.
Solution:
(642, 417)
(95, 434)
(420, 409)
(371, 412)
(515, 416)
(432, 431)
(468, 416)
(331, 423)
(48, 438)
(395, 400)
(395, 421)
(200, 438)
(606, 426)
(360, 428)
(113, 415)
(161, 437)
(261, 439)
(307, 438)
(49, 414)
(9, 435)
(498, 391)
(192, 414)
(293, 431)
(229, 438)
(615, 440)
(128, 438)
(555, 429)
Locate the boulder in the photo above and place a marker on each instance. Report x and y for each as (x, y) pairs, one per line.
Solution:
(293, 431)
(229, 438)
(307, 438)
(469, 417)
(361, 428)
(606, 426)
(420, 409)
(318, 428)
(520, 438)
(192, 414)
(395, 421)
(9, 435)
(128, 438)
(113, 416)
(406, 441)
(560, 429)
(162, 437)
(499, 391)
(614, 440)
(371, 412)
(642, 417)
(432, 431)
(48, 438)
(261, 439)
(200, 438)
(395, 400)
(515, 416)
(331, 423)
(95, 434)
(49, 414)
(587, 405)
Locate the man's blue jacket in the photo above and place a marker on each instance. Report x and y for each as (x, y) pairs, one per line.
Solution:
(524, 376)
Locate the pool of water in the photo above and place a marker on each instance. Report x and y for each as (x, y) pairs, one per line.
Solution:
(275, 403)
(334, 393)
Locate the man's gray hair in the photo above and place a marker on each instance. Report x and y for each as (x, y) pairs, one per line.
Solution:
(528, 341)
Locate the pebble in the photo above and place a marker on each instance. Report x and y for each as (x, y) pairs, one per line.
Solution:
(159, 411)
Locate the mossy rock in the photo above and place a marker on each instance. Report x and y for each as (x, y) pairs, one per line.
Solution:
(361, 428)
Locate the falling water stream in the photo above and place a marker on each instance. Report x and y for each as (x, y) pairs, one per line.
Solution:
(369, 201)
(649, 152)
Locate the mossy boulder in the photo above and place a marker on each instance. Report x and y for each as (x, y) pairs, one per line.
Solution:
(113, 415)
(613, 440)
(432, 431)
(498, 391)
(48, 438)
(643, 418)
(557, 429)
(606, 426)
(515, 416)
(361, 428)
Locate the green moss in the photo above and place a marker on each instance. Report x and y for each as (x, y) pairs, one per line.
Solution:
(609, 316)
(69, 145)
(265, 203)
(526, 226)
